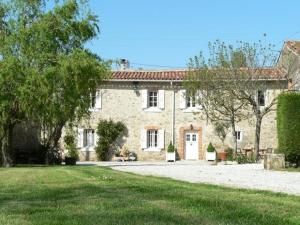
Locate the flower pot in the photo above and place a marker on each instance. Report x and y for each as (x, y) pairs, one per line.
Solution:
(71, 161)
(222, 156)
(210, 156)
(171, 156)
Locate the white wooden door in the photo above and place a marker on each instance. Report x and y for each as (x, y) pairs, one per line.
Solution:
(191, 146)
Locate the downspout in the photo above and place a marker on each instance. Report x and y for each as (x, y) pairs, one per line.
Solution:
(173, 113)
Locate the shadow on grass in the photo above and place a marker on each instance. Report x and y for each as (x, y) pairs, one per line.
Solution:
(93, 195)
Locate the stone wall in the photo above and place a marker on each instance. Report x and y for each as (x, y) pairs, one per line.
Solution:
(121, 101)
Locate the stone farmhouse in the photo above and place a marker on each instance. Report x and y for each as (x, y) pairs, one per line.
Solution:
(156, 110)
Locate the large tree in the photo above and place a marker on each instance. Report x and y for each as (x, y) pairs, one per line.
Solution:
(46, 76)
(214, 79)
(238, 78)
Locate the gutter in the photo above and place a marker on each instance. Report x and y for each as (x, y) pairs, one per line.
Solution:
(173, 113)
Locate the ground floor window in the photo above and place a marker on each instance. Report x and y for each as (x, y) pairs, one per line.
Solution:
(238, 135)
(152, 138)
(88, 137)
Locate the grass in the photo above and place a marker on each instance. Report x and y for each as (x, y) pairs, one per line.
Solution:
(94, 195)
(291, 169)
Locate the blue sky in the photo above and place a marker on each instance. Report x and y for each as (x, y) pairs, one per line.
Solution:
(167, 32)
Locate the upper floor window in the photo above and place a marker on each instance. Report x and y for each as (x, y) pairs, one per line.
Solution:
(96, 100)
(153, 98)
(261, 98)
(93, 100)
(190, 100)
(88, 137)
(152, 137)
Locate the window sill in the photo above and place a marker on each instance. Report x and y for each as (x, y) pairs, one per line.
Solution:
(191, 110)
(153, 109)
(94, 110)
(152, 150)
(87, 149)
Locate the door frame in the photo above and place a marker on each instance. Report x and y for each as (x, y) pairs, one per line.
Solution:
(191, 133)
(181, 147)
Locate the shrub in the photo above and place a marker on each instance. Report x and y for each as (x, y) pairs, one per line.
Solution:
(229, 152)
(171, 147)
(70, 145)
(221, 130)
(210, 148)
(288, 126)
(108, 131)
(242, 159)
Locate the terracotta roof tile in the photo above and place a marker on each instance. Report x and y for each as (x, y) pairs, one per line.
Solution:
(179, 75)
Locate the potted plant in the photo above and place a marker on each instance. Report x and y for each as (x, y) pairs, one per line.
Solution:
(171, 153)
(125, 153)
(221, 130)
(210, 153)
(72, 153)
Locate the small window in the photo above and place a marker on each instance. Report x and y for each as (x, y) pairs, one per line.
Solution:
(152, 138)
(93, 100)
(153, 99)
(238, 135)
(190, 100)
(261, 98)
(88, 137)
(194, 137)
(188, 137)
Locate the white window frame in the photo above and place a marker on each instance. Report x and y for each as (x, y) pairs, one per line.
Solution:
(240, 138)
(88, 138)
(263, 93)
(153, 100)
(190, 101)
(96, 101)
(152, 139)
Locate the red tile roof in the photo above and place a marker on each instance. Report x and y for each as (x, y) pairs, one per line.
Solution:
(179, 75)
(294, 45)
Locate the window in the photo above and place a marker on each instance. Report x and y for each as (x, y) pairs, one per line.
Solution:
(152, 138)
(88, 137)
(153, 98)
(238, 135)
(194, 137)
(261, 98)
(188, 137)
(190, 101)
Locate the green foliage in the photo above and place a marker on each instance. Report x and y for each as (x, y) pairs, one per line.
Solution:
(210, 148)
(221, 129)
(242, 159)
(171, 147)
(70, 145)
(108, 132)
(47, 75)
(288, 126)
(229, 152)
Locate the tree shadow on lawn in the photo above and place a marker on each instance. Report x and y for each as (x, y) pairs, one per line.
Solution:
(103, 196)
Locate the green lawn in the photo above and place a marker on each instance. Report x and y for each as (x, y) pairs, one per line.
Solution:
(92, 195)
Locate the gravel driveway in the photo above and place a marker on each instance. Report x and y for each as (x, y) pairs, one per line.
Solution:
(251, 176)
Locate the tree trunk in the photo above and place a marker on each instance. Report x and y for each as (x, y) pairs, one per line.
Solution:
(4, 157)
(7, 150)
(257, 136)
(234, 138)
(52, 145)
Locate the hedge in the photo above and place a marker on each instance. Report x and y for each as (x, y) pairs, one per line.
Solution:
(288, 126)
